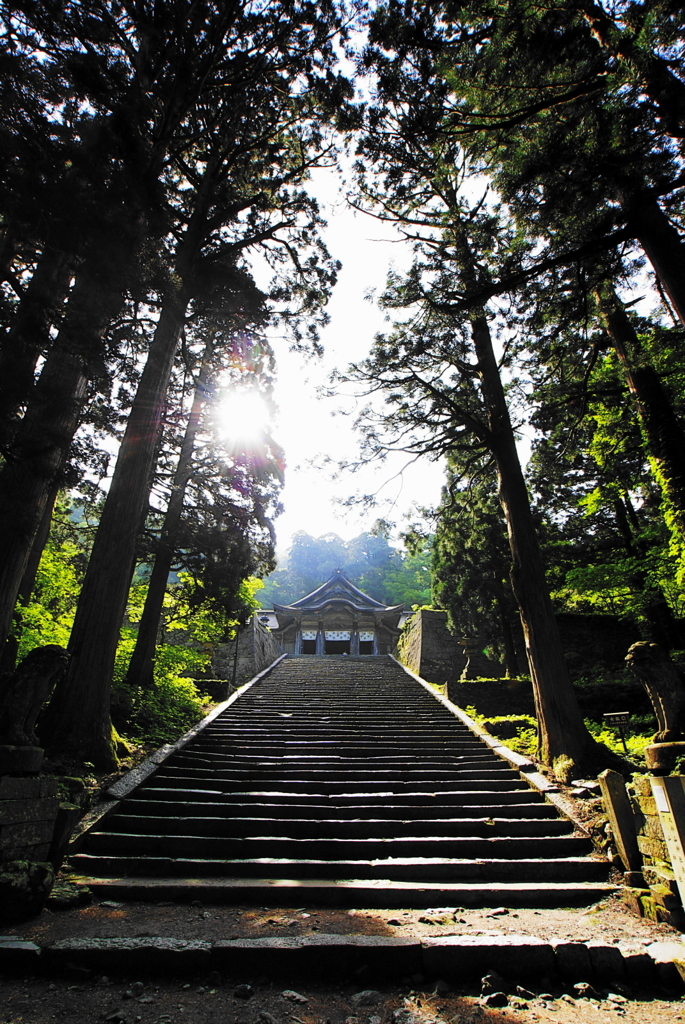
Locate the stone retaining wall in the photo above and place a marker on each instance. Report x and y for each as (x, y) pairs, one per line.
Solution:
(493, 697)
(428, 648)
(257, 649)
(28, 810)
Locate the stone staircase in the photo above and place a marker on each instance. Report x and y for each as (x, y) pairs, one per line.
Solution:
(340, 781)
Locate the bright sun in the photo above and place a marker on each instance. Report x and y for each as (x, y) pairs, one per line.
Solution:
(242, 418)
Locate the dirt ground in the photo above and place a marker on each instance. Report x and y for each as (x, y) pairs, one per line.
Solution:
(609, 921)
(216, 1000)
(92, 999)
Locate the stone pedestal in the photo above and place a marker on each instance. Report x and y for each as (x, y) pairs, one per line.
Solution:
(28, 809)
(661, 757)
(20, 760)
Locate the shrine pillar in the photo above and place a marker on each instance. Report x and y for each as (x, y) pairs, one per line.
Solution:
(320, 639)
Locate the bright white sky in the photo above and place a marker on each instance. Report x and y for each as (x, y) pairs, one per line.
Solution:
(310, 427)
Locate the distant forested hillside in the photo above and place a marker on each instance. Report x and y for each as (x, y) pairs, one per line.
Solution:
(368, 561)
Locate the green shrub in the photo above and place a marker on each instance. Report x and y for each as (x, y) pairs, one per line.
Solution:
(163, 714)
(526, 739)
(160, 715)
(636, 741)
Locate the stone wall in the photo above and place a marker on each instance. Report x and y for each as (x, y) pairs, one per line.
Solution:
(493, 697)
(590, 641)
(28, 809)
(257, 649)
(429, 649)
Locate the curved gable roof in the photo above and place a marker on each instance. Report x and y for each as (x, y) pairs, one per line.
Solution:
(338, 588)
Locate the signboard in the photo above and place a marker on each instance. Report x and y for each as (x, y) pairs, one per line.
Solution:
(617, 717)
(669, 796)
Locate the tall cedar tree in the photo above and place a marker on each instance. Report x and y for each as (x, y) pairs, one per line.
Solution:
(117, 82)
(578, 116)
(439, 371)
(256, 135)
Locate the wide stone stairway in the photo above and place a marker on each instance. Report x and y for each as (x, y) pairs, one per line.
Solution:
(339, 780)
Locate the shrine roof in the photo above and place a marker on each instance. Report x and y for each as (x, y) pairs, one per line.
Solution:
(338, 588)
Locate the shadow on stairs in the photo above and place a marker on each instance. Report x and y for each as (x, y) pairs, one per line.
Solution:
(340, 782)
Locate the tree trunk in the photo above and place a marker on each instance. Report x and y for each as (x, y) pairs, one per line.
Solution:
(42, 441)
(8, 656)
(662, 245)
(28, 337)
(141, 667)
(78, 717)
(561, 729)
(662, 430)
(79, 714)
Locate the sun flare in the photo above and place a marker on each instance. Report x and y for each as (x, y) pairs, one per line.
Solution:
(242, 418)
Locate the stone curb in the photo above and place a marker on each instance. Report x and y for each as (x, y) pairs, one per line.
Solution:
(452, 958)
(528, 769)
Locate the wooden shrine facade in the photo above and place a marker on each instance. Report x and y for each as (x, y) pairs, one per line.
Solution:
(337, 618)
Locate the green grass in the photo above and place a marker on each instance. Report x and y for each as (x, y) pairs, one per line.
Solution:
(640, 734)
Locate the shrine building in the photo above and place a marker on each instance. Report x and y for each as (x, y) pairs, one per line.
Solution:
(337, 618)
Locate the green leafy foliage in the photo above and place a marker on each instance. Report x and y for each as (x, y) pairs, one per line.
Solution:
(635, 741)
(48, 616)
(162, 714)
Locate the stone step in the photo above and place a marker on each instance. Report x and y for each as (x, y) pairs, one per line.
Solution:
(357, 735)
(341, 754)
(424, 869)
(392, 895)
(391, 786)
(359, 803)
(353, 782)
(225, 847)
(285, 771)
(381, 829)
(335, 750)
(334, 759)
(316, 811)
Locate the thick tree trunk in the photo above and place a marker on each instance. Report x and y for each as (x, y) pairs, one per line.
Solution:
(79, 714)
(78, 719)
(561, 729)
(662, 430)
(8, 656)
(28, 337)
(662, 245)
(141, 666)
(41, 443)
